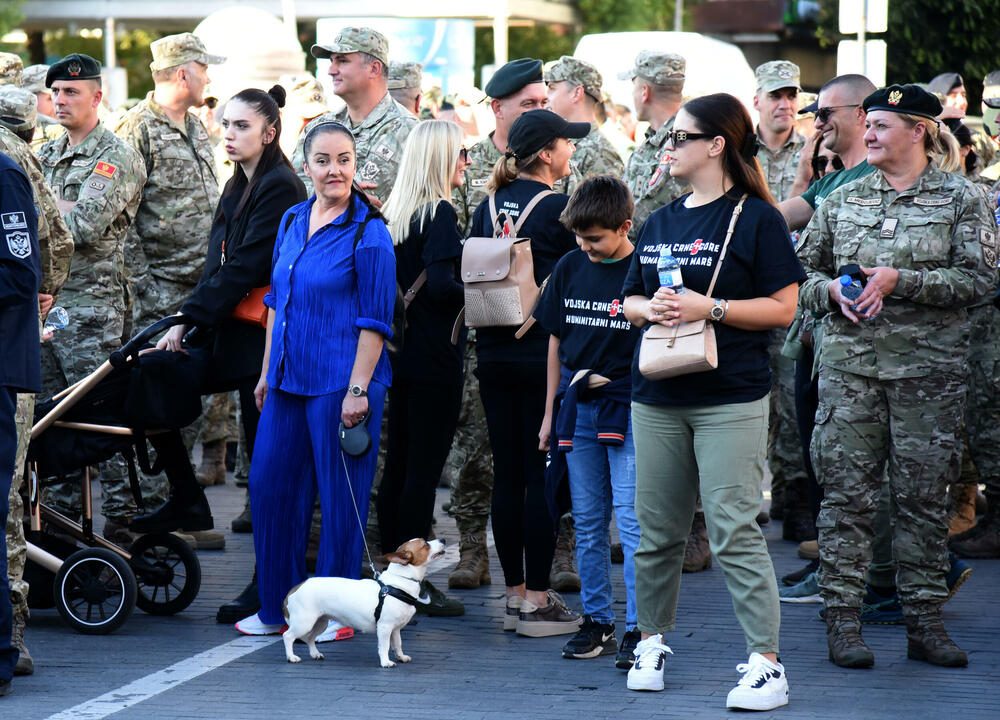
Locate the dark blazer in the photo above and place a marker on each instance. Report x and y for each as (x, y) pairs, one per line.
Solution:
(237, 348)
(20, 274)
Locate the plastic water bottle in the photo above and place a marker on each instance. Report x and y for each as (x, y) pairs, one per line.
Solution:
(57, 319)
(850, 288)
(669, 271)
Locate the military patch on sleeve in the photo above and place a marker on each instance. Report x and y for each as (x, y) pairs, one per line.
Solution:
(13, 221)
(19, 244)
(385, 152)
(106, 169)
(987, 238)
(94, 187)
(990, 256)
(369, 172)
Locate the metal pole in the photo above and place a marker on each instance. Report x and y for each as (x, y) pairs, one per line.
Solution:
(110, 57)
(500, 26)
(678, 15)
(288, 15)
(862, 31)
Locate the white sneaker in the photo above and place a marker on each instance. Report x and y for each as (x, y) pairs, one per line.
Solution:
(762, 687)
(253, 626)
(512, 612)
(335, 631)
(647, 671)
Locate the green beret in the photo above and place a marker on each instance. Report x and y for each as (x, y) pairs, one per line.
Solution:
(514, 76)
(73, 67)
(905, 99)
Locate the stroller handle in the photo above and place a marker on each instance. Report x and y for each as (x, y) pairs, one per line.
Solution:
(129, 350)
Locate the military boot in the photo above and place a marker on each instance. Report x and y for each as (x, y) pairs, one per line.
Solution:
(843, 636)
(927, 640)
(473, 567)
(25, 665)
(212, 470)
(962, 513)
(982, 541)
(243, 523)
(564, 577)
(697, 553)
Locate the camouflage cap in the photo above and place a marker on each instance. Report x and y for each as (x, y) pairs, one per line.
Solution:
(17, 108)
(575, 72)
(658, 67)
(34, 78)
(11, 68)
(405, 75)
(305, 94)
(174, 50)
(356, 39)
(777, 74)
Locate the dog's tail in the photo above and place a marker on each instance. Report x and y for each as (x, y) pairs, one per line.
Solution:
(284, 605)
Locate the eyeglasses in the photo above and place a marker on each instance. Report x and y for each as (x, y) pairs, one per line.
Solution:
(677, 137)
(824, 163)
(824, 113)
(463, 154)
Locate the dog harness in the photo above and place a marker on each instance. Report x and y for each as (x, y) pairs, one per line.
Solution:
(384, 590)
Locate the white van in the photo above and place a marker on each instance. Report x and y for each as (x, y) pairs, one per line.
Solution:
(712, 65)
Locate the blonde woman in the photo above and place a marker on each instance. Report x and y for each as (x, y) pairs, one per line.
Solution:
(426, 393)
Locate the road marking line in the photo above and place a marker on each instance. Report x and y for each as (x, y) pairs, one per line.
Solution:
(167, 679)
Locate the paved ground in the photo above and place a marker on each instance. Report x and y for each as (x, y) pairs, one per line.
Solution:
(187, 666)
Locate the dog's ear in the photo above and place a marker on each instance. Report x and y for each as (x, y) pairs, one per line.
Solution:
(402, 558)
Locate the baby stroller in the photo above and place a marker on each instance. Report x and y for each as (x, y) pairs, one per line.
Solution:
(128, 400)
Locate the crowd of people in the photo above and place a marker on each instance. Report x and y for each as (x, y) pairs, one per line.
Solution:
(838, 284)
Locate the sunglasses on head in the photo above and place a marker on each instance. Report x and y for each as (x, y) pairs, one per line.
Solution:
(824, 113)
(676, 137)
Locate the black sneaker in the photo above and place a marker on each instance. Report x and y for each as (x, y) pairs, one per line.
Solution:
(798, 576)
(592, 639)
(626, 652)
(439, 605)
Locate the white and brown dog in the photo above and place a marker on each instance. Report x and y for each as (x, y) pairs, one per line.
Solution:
(381, 606)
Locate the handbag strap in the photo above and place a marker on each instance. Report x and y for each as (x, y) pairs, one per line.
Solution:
(729, 236)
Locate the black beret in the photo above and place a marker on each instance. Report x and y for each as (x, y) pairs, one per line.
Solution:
(73, 67)
(906, 99)
(513, 76)
(537, 128)
(944, 83)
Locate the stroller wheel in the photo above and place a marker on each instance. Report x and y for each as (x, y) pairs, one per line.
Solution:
(167, 573)
(95, 591)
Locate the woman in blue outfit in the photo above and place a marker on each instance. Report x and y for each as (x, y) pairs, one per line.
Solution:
(333, 286)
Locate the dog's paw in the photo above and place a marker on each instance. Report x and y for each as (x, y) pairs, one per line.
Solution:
(317, 655)
(388, 664)
(294, 659)
(403, 658)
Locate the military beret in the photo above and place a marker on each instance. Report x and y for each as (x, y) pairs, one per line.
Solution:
(944, 83)
(356, 39)
(73, 67)
(405, 75)
(905, 99)
(514, 76)
(34, 78)
(777, 74)
(17, 108)
(658, 67)
(174, 50)
(535, 129)
(575, 72)
(10, 69)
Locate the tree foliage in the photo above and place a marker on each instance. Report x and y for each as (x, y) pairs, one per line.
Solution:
(11, 13)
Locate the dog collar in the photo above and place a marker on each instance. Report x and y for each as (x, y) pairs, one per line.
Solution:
(384, 590)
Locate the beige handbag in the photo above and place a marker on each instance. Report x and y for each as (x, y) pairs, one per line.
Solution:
(688, 347)
(499, 274)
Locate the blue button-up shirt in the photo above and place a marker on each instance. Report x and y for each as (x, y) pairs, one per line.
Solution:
(323, 293)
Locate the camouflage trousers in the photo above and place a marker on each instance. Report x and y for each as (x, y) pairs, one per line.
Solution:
(469, 468)
(93, 333)
(17, 547)
(903, 435)
(982, 418)
(784, 450)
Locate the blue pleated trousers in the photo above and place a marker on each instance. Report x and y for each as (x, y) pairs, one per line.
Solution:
(297, 456)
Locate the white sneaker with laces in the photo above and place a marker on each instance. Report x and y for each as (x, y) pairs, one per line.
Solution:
(762, 687)
(253, 626)
(335, 631)
(647, 671)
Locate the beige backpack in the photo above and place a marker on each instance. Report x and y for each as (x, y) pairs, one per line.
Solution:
(499, 274)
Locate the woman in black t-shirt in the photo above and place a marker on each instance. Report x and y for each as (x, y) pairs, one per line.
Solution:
(706, 431)
(426, 394)
(512, 376)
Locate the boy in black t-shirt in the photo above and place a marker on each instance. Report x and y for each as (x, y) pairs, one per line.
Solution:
(587, 427)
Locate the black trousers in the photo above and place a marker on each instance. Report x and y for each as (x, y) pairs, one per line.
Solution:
(421, 427)
(513, 396)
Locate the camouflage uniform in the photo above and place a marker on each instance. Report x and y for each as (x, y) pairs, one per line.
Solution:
(103, 177)
(404, 83)
(11, 69)
(781, 166)
(892, 389)
(46, 128)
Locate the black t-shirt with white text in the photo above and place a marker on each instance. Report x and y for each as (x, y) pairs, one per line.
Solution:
(759, 262)
(584, 307)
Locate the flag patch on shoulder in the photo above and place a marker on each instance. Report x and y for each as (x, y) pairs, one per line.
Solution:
(106, 169)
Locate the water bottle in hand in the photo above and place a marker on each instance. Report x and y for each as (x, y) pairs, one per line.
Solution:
(669, 271)
(57, 319)
(850, 288)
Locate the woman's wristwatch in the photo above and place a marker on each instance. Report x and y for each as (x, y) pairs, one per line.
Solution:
(357, 391)
(719, 310)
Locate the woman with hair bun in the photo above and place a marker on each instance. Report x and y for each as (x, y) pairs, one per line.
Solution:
(707, 431)
(247, 218)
